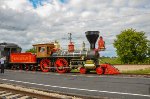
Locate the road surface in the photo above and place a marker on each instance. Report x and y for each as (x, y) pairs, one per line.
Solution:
(104, 86)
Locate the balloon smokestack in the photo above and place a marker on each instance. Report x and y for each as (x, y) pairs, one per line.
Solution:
(92, 37)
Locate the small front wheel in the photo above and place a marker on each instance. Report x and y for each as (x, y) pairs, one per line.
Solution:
(83, 70)
(99, 70)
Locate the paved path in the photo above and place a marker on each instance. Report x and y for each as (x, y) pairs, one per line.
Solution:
(92, 85)
(131, 67)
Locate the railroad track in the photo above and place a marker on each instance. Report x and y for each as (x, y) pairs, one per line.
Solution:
(17, 92)
(12, 95)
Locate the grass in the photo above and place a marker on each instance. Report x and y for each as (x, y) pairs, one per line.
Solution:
(141, 71)
(110, 60)
(74, 71)
(115, 60)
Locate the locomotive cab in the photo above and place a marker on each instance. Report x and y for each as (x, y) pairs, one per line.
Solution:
(44, 50)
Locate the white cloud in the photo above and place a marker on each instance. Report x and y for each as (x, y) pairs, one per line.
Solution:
(18, 5)
(21, 23)
(138, 3)
(118, 3)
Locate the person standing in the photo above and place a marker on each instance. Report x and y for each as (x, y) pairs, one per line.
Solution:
(2, 60)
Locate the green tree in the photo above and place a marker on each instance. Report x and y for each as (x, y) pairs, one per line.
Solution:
(131, 46)
(148, 54)
(32, 50)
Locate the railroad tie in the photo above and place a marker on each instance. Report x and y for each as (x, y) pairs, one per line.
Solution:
(1, 92)
(5, 94)
(9, 95)
(13, 96)
(25, 97)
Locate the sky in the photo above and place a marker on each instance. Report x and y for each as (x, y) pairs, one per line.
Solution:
(28, 22)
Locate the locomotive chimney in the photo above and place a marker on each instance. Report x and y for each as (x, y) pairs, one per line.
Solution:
(92, 37)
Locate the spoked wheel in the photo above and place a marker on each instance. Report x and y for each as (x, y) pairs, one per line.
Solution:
(13, 67)
(45, 65)
(83, 70)
(33, 68)
(99, 70)
(19, 67)
(61, 65)
(26, 67)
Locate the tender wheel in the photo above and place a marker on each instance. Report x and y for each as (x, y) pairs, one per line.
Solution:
(45, 65)
(61, 65)
(19, 67)
(83, 70)
(33, 68)
(99, 70)
(26, 67)
(13, 67)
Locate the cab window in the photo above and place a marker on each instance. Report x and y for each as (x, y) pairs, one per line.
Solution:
(42, 49)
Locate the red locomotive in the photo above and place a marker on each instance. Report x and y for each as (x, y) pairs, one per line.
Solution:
(49, 57)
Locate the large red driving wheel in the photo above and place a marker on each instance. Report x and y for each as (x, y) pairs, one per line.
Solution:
(99, 70)
(61, 65)
(83, 70)
(45, 65)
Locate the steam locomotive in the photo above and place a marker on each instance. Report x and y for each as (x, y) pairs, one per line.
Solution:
(49, 57)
